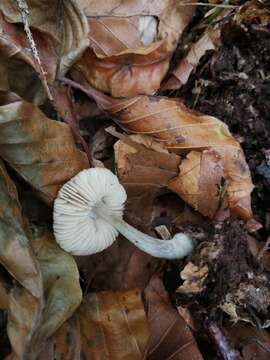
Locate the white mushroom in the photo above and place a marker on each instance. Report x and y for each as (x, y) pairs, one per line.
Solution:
(148, 27)
(88, 215)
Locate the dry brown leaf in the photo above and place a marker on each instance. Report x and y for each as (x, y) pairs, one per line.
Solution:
(127, 75)
(194, 277)
(200, 181)
(25, 300)
(108, 325)
(17, 61)
(141, 169)
(60, 25)
(121, 266)
(115, 36)
(61, 287)
(170, 337)
(59, 30)
(251, 343)
(130, 55)
(16, 254)
(173, 16)
(24, 316)
(208, 41)
(113, 325)
(66, 341)
(182, 131)
(186, 315)
(122, 7)
(41, 150)
(4, 290)
(32, 320)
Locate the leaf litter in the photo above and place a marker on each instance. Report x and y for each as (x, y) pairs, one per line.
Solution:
(187, 92)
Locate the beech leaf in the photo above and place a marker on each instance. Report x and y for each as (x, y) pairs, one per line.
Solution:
(4, 290)
(182, 130)
(170, 338)
(33, 320)
(140, 168)
(66, 41)
(109, 325)
(210, 40)
(16, 254)
(61, 287)
(59, 31)
(25, 300)
(41, 150)
(130, 55)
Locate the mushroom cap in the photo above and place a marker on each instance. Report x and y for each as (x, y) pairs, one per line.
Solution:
(78, 225)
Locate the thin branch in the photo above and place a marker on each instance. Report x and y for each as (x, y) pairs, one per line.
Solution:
(90, 91)
(224, 6)
(69, 116)
(24, 11)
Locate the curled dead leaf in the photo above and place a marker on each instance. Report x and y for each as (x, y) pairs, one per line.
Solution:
(210, 40)
(141, 169)
(182, 130)
(200, 181)
(134, 60)
(194, 277)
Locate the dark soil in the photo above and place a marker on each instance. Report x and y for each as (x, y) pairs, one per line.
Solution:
(233, 84)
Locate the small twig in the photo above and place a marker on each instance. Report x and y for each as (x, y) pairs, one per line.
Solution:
(24, 11)
(70, 116)
(210, 5)
(221, 342)
(89, 91)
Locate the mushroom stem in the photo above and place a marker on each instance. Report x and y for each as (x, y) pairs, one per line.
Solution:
(176, 248)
